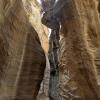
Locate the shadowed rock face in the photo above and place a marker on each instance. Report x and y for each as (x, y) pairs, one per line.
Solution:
(80, 44)
(80, 34)
(22, 59)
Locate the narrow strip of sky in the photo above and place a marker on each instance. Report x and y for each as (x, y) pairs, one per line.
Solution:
(39, 1)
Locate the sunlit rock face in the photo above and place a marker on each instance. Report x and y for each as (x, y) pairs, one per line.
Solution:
(33, 11)
(23, 44)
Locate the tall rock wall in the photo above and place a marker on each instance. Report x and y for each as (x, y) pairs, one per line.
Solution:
(80, 40)
(23, 45)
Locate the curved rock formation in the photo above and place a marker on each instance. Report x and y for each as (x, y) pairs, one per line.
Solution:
(22, 58)
(80, 37)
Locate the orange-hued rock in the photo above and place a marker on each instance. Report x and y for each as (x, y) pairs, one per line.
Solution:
(33, 10)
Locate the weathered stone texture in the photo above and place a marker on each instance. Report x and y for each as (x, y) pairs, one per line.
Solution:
(80, 39)
(22, 58)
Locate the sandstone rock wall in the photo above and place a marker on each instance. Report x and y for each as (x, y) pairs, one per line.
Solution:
(80, 34)
(22, 58)
(33, 9)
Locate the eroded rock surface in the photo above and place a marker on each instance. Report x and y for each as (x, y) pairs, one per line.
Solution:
(23, 44)
(80, 34)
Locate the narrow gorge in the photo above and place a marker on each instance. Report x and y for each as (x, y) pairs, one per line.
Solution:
(49, 49)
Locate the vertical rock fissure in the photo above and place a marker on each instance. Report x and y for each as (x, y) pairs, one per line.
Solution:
(51, 21)
(54, 62)
(72, 17)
